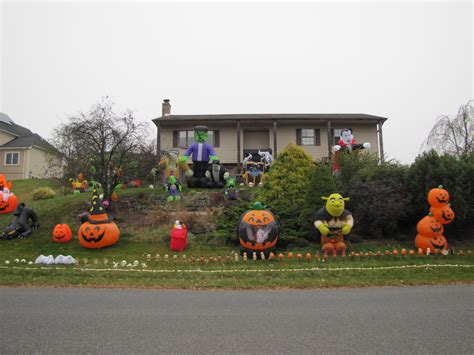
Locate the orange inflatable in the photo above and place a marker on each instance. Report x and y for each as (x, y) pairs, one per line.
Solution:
(99, 230)
(8, 201)
(430, 228)
(430, 234)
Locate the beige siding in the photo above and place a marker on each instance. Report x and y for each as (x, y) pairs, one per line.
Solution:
(5, 137)
(286, 133)
(227, 150)
(13, 171)
(33, 162)
(40, 164)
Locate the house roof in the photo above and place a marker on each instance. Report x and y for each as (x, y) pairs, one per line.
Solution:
(29, 141)
(24, 137)
(12, 128)
(272, 116)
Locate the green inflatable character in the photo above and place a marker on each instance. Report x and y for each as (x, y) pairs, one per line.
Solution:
(201, 152)
(334, 222)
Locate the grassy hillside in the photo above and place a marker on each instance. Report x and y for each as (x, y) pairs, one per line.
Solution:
(65, 209)
(142, 234)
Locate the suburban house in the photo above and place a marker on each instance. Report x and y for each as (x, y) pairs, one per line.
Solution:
(24, 154)
(232, 135)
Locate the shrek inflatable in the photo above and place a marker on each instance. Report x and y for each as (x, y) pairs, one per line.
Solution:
(334, 222)
(200, 153)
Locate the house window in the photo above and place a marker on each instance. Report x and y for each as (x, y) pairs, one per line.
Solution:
(308, 137)
(12, 158)
(337, 134)
(183, 139)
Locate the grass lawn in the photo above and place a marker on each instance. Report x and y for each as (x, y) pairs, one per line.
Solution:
(96, 267)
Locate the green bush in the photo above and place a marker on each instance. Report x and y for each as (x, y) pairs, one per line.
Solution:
(379, 199)
(43, 193)
(284, 190)
(456, 175)
(321, 184)
(226, 222)
(353, 166)
(379, 208)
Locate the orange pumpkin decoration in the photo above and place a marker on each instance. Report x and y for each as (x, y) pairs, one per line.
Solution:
(444, 214)
(62, 233)
(424, 243)
(98, 231)
(258, 229)
(438, 197)
(429, 227)
(4, 184)
(9, 205)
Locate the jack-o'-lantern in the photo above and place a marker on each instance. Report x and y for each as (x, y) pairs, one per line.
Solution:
(424, 243)
(444, 214)
(438, 197)
(429, 227)
(8, 202)
(62, 233)
(98, 231)
(258, 230)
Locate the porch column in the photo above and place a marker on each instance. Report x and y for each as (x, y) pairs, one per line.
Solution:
(380, 138)
(274, 139)
(238, 146)
(330, 140)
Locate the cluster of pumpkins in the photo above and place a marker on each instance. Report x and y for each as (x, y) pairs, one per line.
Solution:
(97, 230)
(430, 228)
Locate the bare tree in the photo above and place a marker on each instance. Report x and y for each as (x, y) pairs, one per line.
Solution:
(101, 142)
(453, 135)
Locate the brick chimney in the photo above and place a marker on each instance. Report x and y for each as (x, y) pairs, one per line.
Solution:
(166, 108)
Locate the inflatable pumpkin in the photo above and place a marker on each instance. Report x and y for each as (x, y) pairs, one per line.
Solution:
(429, 227)
(430, 234)
(438, 197)
(422, 242)
(98, 231)
(443, 214)
(8, 202)
(258, 230)
(62, 233)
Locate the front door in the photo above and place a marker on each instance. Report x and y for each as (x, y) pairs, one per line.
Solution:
(256, 139)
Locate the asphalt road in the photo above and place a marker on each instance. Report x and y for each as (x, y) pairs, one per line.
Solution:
(432, 319)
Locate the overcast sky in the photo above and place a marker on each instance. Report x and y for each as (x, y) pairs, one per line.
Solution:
(410, 62)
